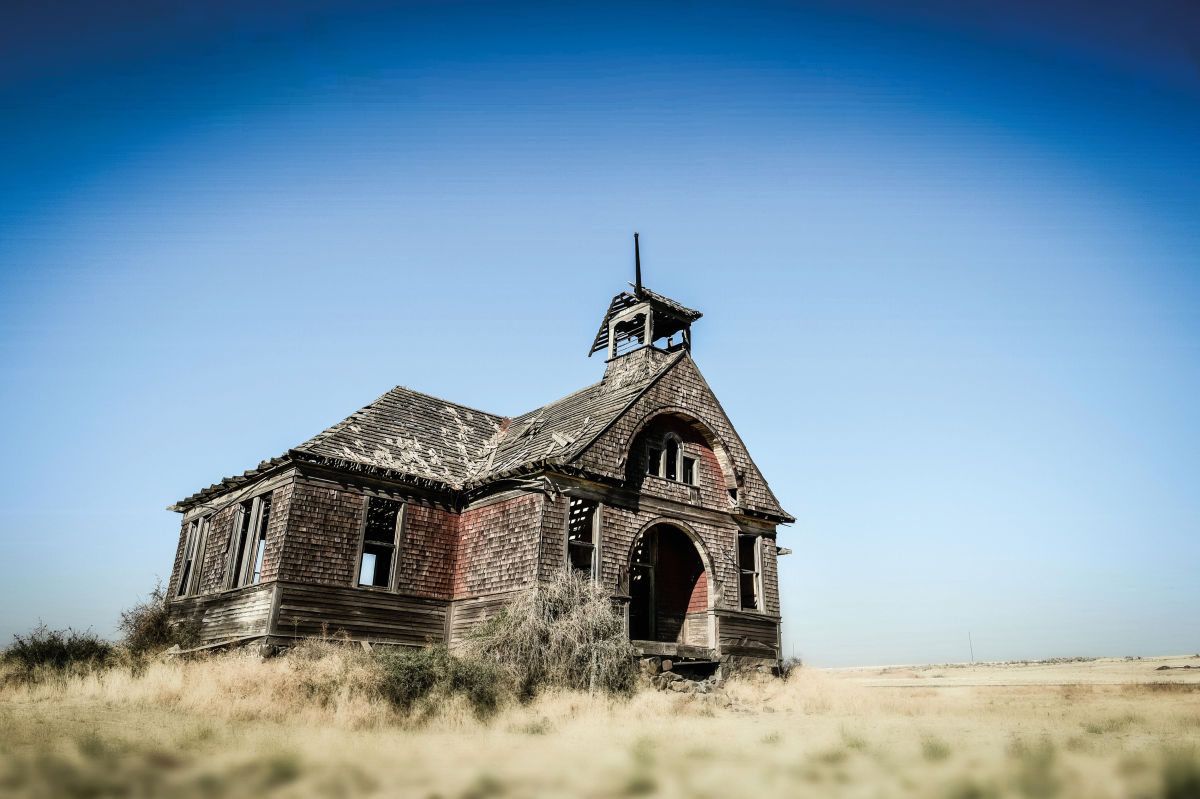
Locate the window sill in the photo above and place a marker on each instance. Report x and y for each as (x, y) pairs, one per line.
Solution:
(379, 589)
(669, 481)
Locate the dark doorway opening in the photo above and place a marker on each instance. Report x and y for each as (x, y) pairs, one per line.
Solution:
(668, 588)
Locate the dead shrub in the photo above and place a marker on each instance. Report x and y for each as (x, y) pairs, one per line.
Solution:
(565, 633)
(46, 653)
(147, 629)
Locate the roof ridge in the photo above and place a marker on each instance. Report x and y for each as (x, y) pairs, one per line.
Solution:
(498, 416)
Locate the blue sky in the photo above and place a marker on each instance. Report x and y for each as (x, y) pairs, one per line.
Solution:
(947, 256)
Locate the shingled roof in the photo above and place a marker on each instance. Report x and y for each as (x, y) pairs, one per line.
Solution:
(410, 434)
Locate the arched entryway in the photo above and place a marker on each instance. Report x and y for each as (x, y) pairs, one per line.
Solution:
(668, 588)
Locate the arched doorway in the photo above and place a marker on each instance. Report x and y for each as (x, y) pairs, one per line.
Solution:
(668, 588)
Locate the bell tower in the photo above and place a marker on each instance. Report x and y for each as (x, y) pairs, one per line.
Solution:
(643, 319)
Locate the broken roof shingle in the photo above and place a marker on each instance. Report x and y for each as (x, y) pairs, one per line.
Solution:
(412, 433)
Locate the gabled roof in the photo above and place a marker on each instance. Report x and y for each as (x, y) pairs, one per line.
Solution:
(560, 430)
(408, 434)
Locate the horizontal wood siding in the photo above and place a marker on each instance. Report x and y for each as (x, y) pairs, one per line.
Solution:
(233, 614)
(313, 610)
(695, 629)
(748, 635)
(469, 612)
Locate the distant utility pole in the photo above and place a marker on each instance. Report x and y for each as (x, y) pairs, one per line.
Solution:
(972, 645)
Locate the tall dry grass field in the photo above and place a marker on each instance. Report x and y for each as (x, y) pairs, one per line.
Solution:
(235, 725)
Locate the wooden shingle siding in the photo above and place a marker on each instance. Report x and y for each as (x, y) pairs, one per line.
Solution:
(216, 551)
(277, 525)
(227, 615)
(428, 549)
(770, 577)
(498, 548)
(361, 613)
(322, 536)
(553, 541)
(173, 586)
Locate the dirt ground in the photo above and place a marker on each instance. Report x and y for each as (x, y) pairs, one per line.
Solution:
(1094, 728)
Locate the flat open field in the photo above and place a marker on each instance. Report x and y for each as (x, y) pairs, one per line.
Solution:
(235, 726)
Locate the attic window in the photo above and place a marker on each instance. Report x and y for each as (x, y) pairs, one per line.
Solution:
(381, 528)
(249, 543)
(193, 556)
(665, 458)
(582, 524)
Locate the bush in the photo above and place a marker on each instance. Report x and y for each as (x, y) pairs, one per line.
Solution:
(146, 627)
(422, 677)
(56, 652)
(564, 634)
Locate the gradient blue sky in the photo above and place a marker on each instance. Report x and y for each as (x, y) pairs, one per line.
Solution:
(947, 255)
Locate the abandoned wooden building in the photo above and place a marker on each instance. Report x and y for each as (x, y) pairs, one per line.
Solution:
(414, 518)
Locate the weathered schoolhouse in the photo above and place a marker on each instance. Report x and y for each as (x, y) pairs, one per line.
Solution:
(415, 518)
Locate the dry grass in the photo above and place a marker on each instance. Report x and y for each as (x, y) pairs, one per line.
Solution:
(297, 726)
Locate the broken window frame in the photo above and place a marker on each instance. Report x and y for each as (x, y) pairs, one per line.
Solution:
(193, 557)
(590, 548)
(393, 548)
(248, 541)
(750, 573)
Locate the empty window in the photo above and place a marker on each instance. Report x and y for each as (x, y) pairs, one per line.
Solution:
(749, 566)
(654, 456)
(249, 542)
(193, 557)
(582, 524)
(665, 458)
(380, 530)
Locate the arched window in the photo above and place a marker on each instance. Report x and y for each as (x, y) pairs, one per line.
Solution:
(665, 458)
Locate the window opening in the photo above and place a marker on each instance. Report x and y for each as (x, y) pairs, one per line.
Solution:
(380, 531)
(665, 458)
(749, 567)
(193, 556)
(245, 565)
(671, 458)
(581, 536)
(628, 334)
(654, 456)
(264, 516)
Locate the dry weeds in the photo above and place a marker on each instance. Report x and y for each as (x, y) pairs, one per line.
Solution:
(235, 725)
